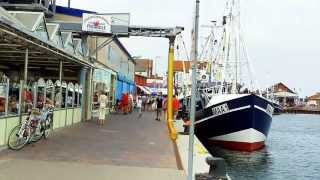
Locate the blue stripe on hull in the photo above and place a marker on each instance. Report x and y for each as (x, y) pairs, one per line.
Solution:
(235, 121)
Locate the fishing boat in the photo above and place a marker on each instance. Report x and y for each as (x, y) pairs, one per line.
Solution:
(231, 111)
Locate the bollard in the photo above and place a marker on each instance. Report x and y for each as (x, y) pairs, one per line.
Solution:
(217, 170)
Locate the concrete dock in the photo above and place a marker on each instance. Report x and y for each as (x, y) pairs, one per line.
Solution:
(200, 153)
(127, 147)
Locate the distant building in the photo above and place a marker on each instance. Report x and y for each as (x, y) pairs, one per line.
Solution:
(185, 66)
(140, 80)
(314, 100)
(144, 67)
(284, 95)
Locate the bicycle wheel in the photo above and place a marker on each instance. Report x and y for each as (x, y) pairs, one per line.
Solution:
(37, 134)
(18, 139)
(47, 127)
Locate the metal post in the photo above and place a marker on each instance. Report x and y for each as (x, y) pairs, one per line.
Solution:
(193, 92)
(25, 77)
(172, 131)
(83, 73)
(20, 100)
(89, 95)
(23, 82)
(7, 97)
(60, 79)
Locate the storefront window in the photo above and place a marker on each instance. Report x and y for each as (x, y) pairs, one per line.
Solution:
(57, 94)
(4, 90)
(41, 86)
(49, 92)
(64, 94)
(76, 95)
(27, 98)
(70, 95)
(13, 105)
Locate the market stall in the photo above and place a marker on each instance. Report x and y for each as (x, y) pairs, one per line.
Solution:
(30, 60)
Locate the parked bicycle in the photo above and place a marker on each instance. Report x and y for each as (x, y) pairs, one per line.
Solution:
(38, 124)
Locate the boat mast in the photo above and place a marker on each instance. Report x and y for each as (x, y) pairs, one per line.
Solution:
(193, 90)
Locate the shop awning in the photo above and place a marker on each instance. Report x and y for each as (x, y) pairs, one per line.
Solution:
(16, 37)
(144, 90)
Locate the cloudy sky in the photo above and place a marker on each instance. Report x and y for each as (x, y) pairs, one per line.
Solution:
(282, 35)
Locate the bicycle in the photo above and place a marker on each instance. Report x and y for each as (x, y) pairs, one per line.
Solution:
(38, 124)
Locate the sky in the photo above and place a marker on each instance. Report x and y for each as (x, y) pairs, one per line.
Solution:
(282, 37)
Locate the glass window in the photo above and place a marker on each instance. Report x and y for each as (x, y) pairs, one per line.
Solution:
(63, 95)
(13, 105)
(70, 95)
(3, 96)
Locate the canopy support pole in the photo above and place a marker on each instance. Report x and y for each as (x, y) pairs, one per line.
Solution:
(22, 83)
(60, 79)
(83, 73)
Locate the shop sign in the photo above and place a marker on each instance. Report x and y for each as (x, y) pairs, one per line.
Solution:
(96, 23)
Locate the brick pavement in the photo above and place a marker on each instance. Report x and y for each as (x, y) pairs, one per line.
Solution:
(125, 140)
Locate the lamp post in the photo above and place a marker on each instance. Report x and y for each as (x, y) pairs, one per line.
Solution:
(193, 90)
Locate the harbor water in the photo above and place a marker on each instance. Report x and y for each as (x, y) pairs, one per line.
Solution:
(292, 152)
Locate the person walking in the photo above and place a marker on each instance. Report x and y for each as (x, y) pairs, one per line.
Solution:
(102, 108)
(164, 107)
(176, 106)
(144, 102)
(139, 105)
(159, 107)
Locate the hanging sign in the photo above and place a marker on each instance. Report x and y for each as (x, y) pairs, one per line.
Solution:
(96, 23)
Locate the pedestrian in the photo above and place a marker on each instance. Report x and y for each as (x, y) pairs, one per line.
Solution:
(139, 105)
(144, 102)
(164, 107)
(159, 107)
(149, 102)
(102, 100)
(130, 103)
(125, 102)
(176, 106)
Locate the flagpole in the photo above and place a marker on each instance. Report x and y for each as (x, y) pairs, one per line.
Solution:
(193, 90)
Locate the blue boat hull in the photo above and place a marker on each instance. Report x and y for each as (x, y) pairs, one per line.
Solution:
(241, 123)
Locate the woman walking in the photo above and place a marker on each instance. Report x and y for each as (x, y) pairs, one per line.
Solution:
(102, 108)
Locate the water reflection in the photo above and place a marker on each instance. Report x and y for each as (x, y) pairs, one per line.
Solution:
(245, 165)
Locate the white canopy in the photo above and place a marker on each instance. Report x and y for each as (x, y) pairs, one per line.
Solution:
(285, 94)
(145, 90)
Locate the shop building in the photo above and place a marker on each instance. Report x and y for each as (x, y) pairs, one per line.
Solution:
(40, 64)
(144, 67)
(284, 95)
(314, 100)
(43, 61)
(114, 66)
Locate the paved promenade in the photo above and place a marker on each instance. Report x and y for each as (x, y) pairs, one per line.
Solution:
(127, 147)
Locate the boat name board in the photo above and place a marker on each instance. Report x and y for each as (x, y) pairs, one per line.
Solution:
(220, 109)
(270, 109)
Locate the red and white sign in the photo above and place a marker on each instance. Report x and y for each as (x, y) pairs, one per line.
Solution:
(96, 23)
